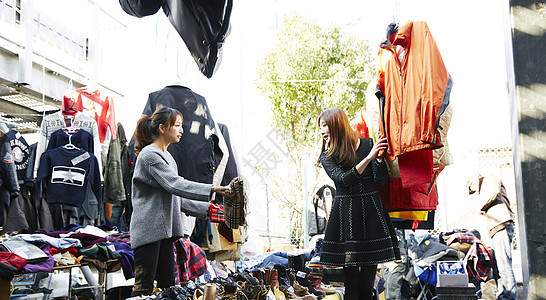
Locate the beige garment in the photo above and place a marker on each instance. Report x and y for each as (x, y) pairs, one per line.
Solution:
(496, 206)
(221, 256)
(227, 245)
(215, 245)
(441, 157)
(489, 290)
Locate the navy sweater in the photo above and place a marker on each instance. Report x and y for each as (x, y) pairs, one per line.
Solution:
(66, 174)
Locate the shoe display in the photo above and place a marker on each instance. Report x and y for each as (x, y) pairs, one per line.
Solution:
(303, 280)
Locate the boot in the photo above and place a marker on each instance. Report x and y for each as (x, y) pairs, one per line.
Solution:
(291, 275)
(258, 274)
(267, 277)
(299, 290)
(304, 281)
(273, 279)
(297, 262)
(315, 279)
(282, 276)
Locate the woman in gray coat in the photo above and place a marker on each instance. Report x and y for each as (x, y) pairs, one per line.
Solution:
(158, 198)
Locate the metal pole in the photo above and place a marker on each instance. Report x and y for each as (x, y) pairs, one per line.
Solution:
(267, 209)
(306, 202)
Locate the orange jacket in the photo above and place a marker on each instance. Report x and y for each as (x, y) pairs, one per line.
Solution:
(414, 89)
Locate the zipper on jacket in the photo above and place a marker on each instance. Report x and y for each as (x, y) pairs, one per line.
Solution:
(401, 107)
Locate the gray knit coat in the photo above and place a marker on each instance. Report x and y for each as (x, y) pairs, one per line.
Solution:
(156, 205)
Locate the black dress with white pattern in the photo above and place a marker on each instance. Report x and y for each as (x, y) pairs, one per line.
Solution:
(359, 230)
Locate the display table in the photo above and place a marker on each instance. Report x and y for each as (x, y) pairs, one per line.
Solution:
(101, 283)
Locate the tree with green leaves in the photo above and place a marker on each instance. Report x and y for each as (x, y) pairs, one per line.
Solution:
(309, 69)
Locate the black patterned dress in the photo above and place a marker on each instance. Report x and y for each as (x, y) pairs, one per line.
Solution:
(359, 230)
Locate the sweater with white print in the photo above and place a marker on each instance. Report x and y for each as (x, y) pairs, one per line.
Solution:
(66, 175)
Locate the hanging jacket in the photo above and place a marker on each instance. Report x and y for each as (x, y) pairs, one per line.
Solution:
(414, 89)
(114, 190)
(8, 174)
(20, 151)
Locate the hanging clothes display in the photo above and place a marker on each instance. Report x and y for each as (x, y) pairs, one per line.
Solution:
(413, 88)
(58, 120)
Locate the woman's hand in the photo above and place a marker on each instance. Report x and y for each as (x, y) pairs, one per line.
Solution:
(222, 190)
(379, 146)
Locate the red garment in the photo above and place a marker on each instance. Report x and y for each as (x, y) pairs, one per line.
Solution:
(411, 198)
(416, 167)
(12, 259)
(414, 89)
(101, 105)
(191, 261)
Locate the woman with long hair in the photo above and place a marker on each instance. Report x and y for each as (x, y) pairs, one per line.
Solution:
(159, 198)
(359, 234)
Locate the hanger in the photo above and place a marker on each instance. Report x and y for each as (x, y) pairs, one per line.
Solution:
(70, 146)
(71, 129)
(70, 110)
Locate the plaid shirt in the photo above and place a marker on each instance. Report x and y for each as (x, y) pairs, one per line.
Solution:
(462, 238)
(216, 213)
(235, 207)
(191, 261)
(479, 259)
(124, 237)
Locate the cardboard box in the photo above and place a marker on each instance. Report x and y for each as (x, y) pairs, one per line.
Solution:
(445, 279)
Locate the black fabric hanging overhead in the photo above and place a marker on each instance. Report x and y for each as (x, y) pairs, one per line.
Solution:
(203, 25)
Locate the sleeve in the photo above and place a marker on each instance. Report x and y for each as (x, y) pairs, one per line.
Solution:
(52, 142)
(177, 185)
(340, 177)
(97, 146)
(380, 172)
(29, 176)
(379, 169)
(43, 172)
(194, 208)
(42, 145)
(8, 168)
(94, 178)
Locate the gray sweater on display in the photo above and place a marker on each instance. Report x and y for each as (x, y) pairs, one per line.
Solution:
(159, 197)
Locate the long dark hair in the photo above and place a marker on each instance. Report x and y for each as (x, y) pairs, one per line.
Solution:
(343, 139)
(147, 129)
